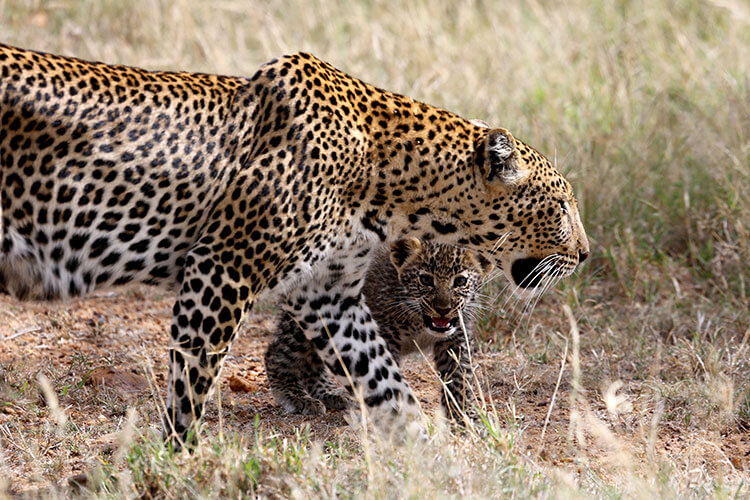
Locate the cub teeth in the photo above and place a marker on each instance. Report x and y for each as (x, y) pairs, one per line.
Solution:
(441, 322)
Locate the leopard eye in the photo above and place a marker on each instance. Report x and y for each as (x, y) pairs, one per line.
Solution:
(563, 206)
(459, 281)
(426, 280)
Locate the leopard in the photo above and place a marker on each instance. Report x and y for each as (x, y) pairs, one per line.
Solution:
(417, 291)
(230, 189)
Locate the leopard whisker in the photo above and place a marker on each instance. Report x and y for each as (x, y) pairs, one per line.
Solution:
(500, 242)
(540, 268)
(532, 302)
(555, 278)
(551, 264)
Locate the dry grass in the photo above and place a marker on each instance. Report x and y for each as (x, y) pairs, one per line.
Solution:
(644, 105)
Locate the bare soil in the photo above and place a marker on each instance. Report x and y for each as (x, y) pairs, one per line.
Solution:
(107, 353)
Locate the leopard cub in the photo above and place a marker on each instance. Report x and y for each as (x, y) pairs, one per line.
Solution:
(416, 291)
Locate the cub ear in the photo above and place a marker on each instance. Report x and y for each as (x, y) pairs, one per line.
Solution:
(403, 249)
(484, 264)
(497, 157)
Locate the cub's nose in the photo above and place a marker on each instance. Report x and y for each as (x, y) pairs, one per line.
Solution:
(582, 256)
(442, 311)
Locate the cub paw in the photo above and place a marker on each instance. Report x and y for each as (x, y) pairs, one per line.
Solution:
(337, 401)
(304, 406)
(312, 407)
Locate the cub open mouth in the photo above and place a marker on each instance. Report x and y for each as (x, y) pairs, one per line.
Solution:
(440, 324)
(521, 271)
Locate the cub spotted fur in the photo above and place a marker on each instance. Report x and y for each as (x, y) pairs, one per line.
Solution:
(416, 291)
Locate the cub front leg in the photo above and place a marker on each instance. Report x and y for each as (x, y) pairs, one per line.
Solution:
(299, 381)
(210, 305)
(291, 363)
(453, 363)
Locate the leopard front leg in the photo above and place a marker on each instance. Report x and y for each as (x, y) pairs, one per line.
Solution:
(333, 315)
(210, 305)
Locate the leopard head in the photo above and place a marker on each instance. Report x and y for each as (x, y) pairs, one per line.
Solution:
(535, 214)
(494, 194)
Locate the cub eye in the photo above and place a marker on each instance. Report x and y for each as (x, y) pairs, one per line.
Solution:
(426, 280)
(563, 206)
(459, 281)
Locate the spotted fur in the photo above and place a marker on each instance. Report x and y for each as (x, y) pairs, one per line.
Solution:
(416, 292)
(224, 188)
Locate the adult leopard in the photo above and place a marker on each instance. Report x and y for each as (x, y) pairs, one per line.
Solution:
(226, 187)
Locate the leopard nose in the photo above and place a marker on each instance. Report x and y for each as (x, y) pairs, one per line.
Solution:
(582, 256)
(442, 311)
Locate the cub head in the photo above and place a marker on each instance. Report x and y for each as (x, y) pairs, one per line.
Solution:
(439, 281)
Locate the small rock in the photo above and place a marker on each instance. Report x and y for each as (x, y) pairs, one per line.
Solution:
(106, 443)
(122, 381)
(239, 384)
(78, 482)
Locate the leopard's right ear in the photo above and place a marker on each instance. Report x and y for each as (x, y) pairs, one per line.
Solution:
(479, 123)
(497, 158)
(402, 250)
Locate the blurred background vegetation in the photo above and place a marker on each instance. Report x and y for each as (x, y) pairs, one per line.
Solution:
(644, 105)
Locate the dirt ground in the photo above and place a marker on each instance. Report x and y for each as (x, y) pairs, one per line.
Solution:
(120, 339)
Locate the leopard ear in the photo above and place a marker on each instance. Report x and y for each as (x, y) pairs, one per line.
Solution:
(497, 158)
(402, 250)
(479, 123)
